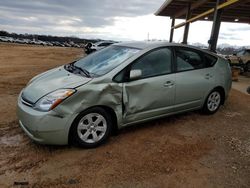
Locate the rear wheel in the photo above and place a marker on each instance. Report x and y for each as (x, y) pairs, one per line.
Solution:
(92, 128)
(213, 102)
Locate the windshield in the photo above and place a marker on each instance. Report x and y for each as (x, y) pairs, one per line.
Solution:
(103, 61)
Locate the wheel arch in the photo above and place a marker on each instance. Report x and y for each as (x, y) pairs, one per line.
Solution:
(108, 109)
(222, 92)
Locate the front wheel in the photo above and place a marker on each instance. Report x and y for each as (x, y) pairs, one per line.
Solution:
(212, 103)
(92, 128)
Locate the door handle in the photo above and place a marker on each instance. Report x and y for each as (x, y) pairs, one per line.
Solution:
(207, 76)
(169, 84)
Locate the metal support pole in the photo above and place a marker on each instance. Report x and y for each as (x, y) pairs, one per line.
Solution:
(216, 28)
(172, 30)
(186, 30)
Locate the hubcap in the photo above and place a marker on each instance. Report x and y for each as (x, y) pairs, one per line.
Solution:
(92, 127)
(213, 101)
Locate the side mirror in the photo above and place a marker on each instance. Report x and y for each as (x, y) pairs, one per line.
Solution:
(135, 74)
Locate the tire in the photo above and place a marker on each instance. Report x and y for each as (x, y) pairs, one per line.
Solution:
(91, 128)
(213, 102)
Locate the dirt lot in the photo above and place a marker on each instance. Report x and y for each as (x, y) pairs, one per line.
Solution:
(188, 150)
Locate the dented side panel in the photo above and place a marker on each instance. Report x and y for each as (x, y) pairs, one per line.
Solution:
(148, 97)
(108, 94)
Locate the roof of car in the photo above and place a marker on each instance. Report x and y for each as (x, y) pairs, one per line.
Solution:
(152, 44)
(149, 44)
(99, 42)
(140, 45)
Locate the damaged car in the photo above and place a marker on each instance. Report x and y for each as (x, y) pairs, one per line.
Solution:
(121, 85)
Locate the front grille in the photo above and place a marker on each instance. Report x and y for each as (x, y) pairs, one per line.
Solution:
(26, 101)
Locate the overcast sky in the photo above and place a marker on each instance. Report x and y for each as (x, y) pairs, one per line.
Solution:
(106, 19)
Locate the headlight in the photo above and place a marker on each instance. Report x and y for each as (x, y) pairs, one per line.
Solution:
(51, 100)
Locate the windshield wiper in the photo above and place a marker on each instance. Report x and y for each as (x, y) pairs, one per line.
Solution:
(72, 68)
(87, 73)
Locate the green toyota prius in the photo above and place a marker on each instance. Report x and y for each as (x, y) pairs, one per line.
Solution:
(121, 85)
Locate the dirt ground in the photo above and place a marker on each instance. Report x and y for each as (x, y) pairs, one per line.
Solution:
(242, 84)
(188, 150)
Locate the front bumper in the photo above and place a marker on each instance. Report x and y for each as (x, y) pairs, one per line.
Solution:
(44, 127)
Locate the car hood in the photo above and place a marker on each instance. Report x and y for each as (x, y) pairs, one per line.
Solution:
(50, 81)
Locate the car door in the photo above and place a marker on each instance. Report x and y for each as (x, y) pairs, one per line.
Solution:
(152, 93)
(194, 78)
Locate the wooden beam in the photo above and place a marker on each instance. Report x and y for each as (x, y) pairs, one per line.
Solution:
(194, 18)
(221, 6)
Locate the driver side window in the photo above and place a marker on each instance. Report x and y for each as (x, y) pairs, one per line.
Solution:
(155, 63)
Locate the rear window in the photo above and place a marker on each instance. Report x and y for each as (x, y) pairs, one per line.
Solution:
(210, 60)
(188, 59)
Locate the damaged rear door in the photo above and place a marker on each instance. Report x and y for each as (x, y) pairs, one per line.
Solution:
(152, 92)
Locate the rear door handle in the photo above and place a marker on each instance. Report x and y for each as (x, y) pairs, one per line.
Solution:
(169, 84)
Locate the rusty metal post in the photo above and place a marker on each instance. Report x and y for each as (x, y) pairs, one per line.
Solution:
(216, 27)
(172, 30)
(186, 30)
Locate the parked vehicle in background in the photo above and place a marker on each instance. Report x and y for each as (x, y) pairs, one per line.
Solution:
(66, 44)
(100, 45)
(6, 39)
(91, 47)
(41, 42)
(56, 43)
(26, 41)
(76, 46)
(20, 41)
(123, 84)
(35, 41)
(49, 43)
(240, 59)
(38, 42)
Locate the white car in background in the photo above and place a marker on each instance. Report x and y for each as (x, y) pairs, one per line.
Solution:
(6, 39)
(100, 45)
(92, 47)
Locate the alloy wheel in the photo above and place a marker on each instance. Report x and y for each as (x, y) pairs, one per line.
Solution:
(92, 127)
(214, 101)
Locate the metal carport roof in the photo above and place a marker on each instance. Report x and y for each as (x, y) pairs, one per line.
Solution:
(214, 10)
(237, 11)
